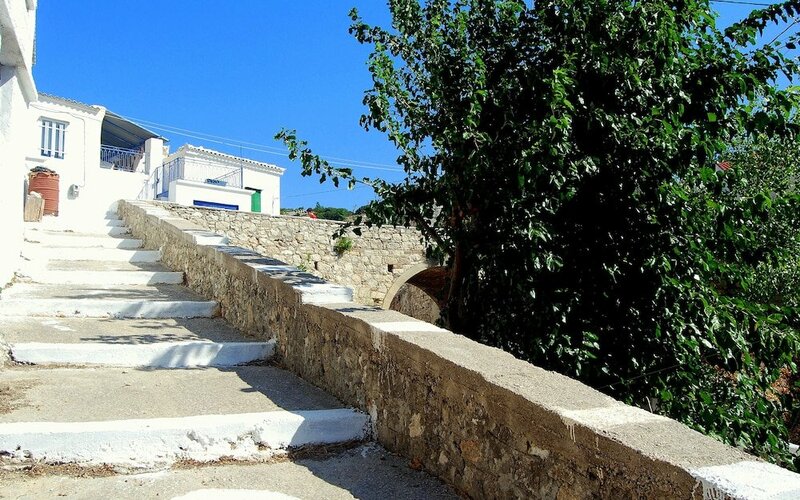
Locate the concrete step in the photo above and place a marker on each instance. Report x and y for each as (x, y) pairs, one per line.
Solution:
(88, 229)
(39, 252)
(107, 278)
(69, 272)
(184, 354)
(77, 223)
(96, 266)
(367, 471)
(146, 417)
(157, 343)
(79, 240)
(126, 301)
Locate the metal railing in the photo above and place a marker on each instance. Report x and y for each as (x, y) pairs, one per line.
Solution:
(123, 159)
(206, 173)
(148, 191)
(233, 178)
(165, 174)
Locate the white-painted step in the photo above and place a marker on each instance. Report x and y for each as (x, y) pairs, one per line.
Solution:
(52, 394)
(163, 441)
(89, 230)
(76, 224)
(138, 417)
(126, 301)
(89, 222)
(106, 230)
(130, 331)
(41, 253)
(103, 277)
(48, 239)
(66, 272)
(367, 471)
(99, 308)
(186, 354)
(94, 265)
(204, 438)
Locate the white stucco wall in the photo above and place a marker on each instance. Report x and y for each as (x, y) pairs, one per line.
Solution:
(81, 148)
(201, 163)
(17, 90)
(186, 192)
(270, 186)
(12, 167)
(104, 188)
(97, 189)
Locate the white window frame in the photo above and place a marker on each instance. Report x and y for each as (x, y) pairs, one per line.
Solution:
(54, 136)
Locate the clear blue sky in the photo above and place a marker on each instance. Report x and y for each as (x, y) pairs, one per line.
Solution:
(238, 69)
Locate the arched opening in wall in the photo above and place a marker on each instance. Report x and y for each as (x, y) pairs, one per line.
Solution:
(420, 292)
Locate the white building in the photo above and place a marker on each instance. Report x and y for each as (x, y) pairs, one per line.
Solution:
(100, 157)
(203, 177)
(17, 90)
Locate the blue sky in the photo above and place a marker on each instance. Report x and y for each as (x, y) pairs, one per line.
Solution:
(238, 70)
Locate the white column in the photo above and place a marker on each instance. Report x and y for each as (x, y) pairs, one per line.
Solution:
(153, 154)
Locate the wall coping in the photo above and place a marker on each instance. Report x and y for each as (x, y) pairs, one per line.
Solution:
(640, 441)
(287, 217)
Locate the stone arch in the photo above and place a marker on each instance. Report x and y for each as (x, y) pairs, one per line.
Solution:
(403, 279)
(420, 291)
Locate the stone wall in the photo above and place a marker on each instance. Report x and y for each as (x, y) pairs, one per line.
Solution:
(491, 425)
(415, 302)
(378, 257)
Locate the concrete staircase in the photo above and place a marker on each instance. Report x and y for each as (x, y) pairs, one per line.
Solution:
(120, 366)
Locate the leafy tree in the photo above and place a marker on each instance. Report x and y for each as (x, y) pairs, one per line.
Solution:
(559, 160)
(331, 213)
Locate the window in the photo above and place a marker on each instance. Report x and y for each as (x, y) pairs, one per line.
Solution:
(53, 136)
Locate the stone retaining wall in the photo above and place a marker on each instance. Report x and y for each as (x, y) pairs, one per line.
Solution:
(489, 424)
(370, 267)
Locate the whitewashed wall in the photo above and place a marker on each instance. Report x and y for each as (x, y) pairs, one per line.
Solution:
(200, 163)
(97, 189)
(17, 90)
(81, 150)
(270, 186)
(186, 192)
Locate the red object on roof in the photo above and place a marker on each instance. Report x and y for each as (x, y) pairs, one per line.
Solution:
(724, 165)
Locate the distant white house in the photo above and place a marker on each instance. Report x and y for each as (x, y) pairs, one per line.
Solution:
(101, 157)
(203, 177)
(17, 90)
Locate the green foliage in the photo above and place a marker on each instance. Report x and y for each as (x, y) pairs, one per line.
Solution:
(322, 212)
(770, 167)
(305, 264)
(331, 213)
(343, 244)
(559, 160)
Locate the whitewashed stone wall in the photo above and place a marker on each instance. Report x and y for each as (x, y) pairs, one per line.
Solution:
(376, 260)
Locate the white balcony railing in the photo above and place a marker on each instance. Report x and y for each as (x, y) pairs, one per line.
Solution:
(123, 159)
(177, 169)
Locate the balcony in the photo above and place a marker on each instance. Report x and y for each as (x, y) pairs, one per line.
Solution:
(114, 158)
(177, 169)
